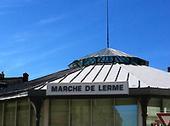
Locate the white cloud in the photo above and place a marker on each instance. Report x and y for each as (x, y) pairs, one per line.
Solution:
(50, 20)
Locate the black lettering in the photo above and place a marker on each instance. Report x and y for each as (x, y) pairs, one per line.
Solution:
(70, 88)
(54, 88)
(87, 88)
(79, 88)
(74, 88)
(65, 88)
(60, 88)
(104, 87)
(100, 89)
(115, 87)
(93, 88)
(121, 87)
(109, 87)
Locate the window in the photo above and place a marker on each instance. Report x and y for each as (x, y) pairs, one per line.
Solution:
(152, 109)
(125, 112)
(166, 105)
(93, 112)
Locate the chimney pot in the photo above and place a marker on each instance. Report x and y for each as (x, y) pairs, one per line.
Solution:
(2, 75)
(25, 77)
(168, 69)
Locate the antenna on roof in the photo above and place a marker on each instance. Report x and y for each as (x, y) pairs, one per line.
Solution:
(107, 23)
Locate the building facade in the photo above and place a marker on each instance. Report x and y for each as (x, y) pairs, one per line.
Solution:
(107, 88)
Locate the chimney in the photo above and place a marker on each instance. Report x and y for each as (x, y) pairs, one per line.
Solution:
(2, 75)
(168, 69)
(25, 77)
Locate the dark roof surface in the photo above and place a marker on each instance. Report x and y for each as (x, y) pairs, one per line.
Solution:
(26, 86)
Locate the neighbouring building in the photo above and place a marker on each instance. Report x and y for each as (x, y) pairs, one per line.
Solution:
(106, 88)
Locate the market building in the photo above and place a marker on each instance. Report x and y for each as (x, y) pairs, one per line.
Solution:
(106, 88)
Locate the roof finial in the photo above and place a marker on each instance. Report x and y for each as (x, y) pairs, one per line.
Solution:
(107, 23)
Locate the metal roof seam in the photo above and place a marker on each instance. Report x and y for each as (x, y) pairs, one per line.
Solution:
(77, 74)
(118, 73)
(42, 86)
(88, 73)
(108, 73)
(127, 77)
(63, 78)
(98, 73)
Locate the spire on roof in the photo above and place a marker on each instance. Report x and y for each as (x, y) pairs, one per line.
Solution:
(107, 23)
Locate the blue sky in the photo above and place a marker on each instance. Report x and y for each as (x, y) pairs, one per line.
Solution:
(44, 36)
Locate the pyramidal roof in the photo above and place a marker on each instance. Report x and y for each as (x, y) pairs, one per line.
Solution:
(108, 56)
(110, 65)
(108, 52)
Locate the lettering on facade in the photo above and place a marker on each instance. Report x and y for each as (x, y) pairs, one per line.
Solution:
(87, 88)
